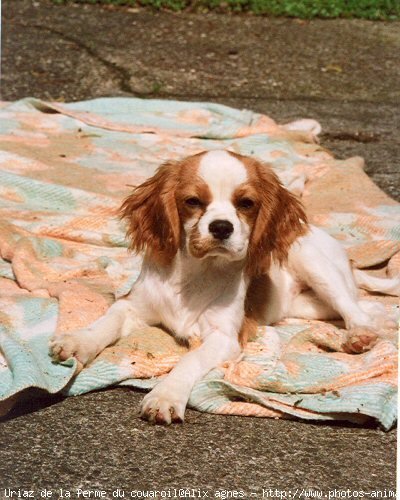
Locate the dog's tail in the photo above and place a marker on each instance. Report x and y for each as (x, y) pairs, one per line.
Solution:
(388, 286)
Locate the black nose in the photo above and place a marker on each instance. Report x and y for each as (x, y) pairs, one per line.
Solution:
(221, 229)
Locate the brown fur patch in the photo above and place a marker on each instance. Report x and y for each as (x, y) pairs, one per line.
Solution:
(192, 186)
(199, 246)
(153, 221)
(257, 298)
(248, 330)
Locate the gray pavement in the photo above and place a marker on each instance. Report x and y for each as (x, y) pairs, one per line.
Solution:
(343, 73)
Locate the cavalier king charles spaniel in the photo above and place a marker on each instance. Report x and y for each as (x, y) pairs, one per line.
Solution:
(226, 247)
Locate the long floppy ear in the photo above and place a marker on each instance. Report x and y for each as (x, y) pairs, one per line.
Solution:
(280, 220)
(152, 215)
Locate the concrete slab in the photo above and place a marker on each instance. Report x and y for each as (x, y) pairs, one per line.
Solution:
(96, 441)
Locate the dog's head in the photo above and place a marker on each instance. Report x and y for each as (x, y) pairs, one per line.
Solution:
(214, 204)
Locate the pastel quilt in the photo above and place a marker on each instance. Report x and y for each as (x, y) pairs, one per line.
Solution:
(64, 170)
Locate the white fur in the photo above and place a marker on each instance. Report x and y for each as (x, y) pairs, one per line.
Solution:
(318, 283)
(205, 297)
(223, 173)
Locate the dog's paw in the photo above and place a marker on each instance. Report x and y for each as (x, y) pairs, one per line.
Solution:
(379, 318)
(163, 406)
(73, 345)
(359, 340)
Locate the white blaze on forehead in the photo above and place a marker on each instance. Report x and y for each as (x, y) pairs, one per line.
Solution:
(223, 173)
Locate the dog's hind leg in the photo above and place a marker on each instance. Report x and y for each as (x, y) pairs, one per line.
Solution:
(307, 305)
(323, 265)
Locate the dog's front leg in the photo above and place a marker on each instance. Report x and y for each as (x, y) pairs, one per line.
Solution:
(87, 343)
(166, 403)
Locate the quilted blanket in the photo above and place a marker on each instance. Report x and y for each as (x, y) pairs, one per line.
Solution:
(64, 169)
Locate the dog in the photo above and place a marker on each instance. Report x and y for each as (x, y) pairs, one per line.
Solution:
(226, 247)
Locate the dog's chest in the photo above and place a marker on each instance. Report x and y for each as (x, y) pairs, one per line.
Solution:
(189, 303)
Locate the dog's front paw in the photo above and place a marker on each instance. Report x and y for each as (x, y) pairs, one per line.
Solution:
(359, 340)
(164, 405)
(73, 345)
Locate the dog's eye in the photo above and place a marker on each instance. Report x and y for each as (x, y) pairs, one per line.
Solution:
(193, 201)
(245, 203)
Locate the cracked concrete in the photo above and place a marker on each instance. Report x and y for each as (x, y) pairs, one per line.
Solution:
(199, 55)
(344, 74)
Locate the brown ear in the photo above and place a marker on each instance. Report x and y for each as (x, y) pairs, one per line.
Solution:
(280, 220)
(152, 216)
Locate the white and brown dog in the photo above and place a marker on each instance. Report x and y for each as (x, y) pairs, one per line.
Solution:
(226, 247)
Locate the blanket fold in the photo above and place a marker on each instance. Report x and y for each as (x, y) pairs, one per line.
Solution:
(64, 169)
